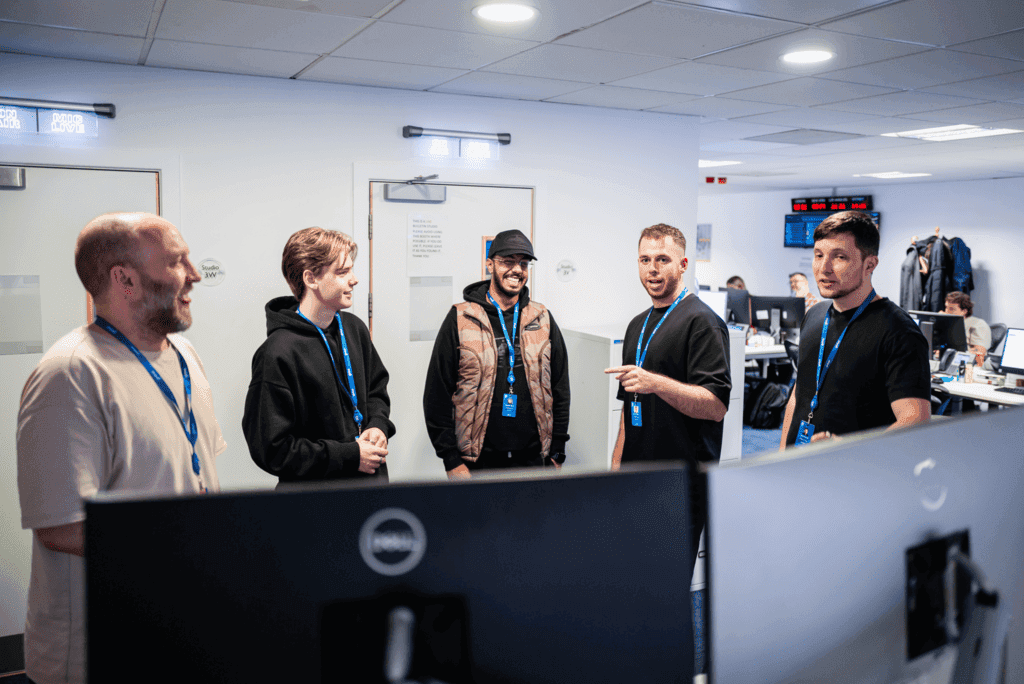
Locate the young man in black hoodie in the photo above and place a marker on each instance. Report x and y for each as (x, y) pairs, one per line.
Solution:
(317, 406)
(497, 390)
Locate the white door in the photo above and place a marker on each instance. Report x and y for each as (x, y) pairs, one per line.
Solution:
(38, 228)
(412, 294)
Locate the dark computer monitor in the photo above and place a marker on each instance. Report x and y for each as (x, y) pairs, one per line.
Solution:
(948, 331)
(519, 579)
(775, 313)
(1012, 360)
(737, 306)
(809, 555)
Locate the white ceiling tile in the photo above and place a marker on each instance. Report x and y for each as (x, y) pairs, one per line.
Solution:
(578, 64)
(229, 60)
(700, 79)
(935, 22)
(508, 86)
(804, 136)
(878, 126)
(345, 8)
(719, 108)
(384, 42)
(621, 98)
(806, 92)
(1002, 87)
(790, 10)
(55, 42)
(1009, 45)
(901, 103)
(803, 117)
(989, 113)
(381, 74)
(556, 17)
(738, 146)
(125, 18)
(674, 31)
(925, 69)
(848, 50)
(720, 131)
(218, 22)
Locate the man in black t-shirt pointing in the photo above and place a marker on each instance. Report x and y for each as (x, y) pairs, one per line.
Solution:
(675, 378)
(875, 376)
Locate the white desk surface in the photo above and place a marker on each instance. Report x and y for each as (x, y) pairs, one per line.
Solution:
(770, 352)
(982, 392)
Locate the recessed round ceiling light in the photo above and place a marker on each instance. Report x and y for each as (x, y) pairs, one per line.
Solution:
(807, 56)
(505, 12)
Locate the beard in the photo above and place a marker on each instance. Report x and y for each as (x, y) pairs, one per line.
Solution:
(843, 290)
(499, 283)
(158, 308)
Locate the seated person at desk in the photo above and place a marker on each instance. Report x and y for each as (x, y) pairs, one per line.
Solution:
(979, 335)
(736, 283)
(799, 286)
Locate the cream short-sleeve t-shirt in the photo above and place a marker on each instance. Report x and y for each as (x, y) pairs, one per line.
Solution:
(92, 419)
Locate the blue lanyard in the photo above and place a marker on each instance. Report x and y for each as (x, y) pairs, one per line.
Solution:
(350, 391)
(821, 372)
(189, 426)
(508, 340)
(641, 357)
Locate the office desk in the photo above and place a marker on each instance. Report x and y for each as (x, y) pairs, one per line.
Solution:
(763, 354)
(775, 351)
(982, 392)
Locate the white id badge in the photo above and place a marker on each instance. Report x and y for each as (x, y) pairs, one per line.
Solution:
(634, 410)
(804, 434)
(508, 406)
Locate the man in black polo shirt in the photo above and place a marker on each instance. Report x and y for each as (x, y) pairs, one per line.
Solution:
(675, 378)
(875, 376)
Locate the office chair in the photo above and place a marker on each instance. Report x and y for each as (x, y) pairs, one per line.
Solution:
(998, 333)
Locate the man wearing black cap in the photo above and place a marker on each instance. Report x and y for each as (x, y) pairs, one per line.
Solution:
(497, 390)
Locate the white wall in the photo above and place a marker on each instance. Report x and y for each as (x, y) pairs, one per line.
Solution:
(748, 232)
(259, 158)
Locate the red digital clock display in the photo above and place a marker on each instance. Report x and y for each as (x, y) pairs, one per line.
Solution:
(819, 204)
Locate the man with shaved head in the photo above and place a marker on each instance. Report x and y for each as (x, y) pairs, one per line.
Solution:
(122, 404)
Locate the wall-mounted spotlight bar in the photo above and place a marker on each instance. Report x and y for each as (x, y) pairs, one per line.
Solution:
(106, 109)
(417, 132)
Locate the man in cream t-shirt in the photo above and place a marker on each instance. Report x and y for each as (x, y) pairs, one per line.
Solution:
(94, 418)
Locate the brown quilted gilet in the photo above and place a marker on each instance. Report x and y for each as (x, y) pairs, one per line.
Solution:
(478, 366)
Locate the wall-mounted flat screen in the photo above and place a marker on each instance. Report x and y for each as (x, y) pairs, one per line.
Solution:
(800, 227)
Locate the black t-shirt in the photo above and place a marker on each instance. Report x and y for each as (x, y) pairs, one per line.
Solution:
(883, 358)
(691, 346)
(519, 432)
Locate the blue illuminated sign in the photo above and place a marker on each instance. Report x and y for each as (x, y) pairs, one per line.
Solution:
(68, 124)
(17, 120)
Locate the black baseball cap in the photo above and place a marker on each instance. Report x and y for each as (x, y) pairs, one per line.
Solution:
(511, 242)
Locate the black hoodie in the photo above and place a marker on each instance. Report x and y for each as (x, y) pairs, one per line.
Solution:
(298, 422)
(503, 434)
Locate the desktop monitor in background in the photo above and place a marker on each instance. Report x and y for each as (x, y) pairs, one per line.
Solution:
(948, 330)
(516, 579)
(1012, 362)
(717, 301)
(737, 306)
(778, 313)
(809, 555)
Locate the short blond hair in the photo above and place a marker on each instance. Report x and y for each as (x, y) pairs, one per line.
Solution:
(663, 230)
(313, 249)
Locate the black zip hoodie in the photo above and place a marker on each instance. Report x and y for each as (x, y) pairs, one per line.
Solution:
(298, 422)
(503, 434)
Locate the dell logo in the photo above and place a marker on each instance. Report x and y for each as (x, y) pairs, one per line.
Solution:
(392, 541)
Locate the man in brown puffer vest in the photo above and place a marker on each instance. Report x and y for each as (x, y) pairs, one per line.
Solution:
(481, 411)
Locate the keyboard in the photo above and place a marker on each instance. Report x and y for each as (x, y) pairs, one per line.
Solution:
(1011, 390)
